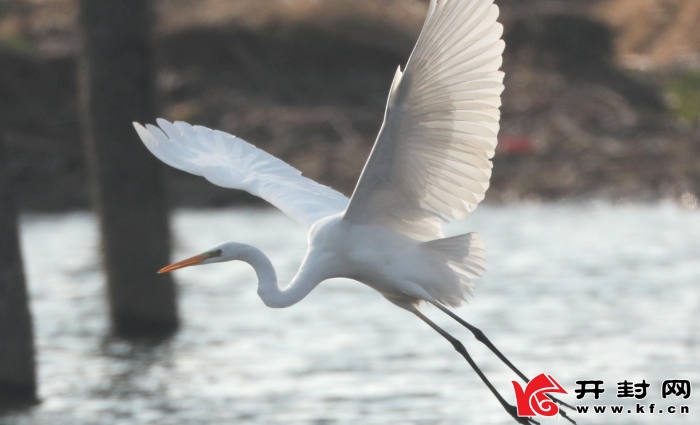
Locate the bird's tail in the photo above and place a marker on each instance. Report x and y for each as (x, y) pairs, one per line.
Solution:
(464, 254)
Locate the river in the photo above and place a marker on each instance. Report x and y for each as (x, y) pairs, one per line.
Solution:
(579, 291)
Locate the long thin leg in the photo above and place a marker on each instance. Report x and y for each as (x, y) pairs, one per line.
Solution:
(463, 351)
(479, 335)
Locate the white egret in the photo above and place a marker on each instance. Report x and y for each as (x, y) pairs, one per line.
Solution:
(430, 164)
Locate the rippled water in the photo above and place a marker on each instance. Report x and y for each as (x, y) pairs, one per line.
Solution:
(579, 292)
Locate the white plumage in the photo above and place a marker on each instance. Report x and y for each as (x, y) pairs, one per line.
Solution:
(231, 162)
(431, 161)
(430, 164)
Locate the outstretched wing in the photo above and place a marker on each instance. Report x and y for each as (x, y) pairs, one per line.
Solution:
(228, 161)
(431, 161)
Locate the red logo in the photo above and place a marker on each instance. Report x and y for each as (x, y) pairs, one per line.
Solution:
(533, 401)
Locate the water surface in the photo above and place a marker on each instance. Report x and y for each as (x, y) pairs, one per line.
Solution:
(579, 292)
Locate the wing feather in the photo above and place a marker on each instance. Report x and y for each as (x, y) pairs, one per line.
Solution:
(431, 161)
(230, 162)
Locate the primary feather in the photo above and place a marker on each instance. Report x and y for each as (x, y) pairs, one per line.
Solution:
(229, 161)
(431, 161)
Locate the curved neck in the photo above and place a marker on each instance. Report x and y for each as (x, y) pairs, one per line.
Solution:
(303, 283)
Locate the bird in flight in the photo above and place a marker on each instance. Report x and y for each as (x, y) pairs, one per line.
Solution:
(430, 164)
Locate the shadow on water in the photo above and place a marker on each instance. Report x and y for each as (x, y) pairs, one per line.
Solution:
(14, 400)
(130, 361)
(133, 359)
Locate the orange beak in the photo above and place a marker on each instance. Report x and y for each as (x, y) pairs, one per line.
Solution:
(192, 261)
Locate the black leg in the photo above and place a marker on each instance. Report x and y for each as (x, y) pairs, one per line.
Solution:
(479, 335)
(463, 351)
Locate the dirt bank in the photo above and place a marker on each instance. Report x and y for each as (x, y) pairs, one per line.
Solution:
(308, 83)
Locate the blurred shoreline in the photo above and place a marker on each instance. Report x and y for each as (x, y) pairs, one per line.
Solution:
(587, 112)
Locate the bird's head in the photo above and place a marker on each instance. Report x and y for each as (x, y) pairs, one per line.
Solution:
(227, 251)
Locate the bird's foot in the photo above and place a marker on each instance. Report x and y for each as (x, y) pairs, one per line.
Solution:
(561, 410)
(561, 403)
(565, 416)
(523, 420)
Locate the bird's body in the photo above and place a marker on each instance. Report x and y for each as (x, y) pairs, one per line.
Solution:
(401, 268)
(430, 164)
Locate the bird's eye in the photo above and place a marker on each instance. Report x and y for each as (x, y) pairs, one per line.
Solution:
(219, 252)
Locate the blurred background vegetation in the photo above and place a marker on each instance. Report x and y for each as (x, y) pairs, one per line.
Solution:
(602, 96)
